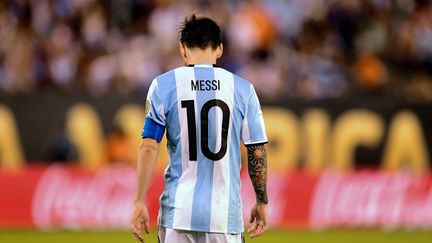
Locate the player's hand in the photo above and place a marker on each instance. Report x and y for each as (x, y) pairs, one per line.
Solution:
(140, 220)
(259, 220)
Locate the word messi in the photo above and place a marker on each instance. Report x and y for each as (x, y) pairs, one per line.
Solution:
(201, 85)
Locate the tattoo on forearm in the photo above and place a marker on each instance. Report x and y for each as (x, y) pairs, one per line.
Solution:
(257, 166)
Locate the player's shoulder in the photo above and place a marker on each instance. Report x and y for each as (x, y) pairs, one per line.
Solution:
(164, 83)
(240, 82)
(243, 86)
(165, 77)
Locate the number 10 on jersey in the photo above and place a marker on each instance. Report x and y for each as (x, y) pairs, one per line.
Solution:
(204, 118)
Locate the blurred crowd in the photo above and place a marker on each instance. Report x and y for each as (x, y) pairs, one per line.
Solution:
(298, 49)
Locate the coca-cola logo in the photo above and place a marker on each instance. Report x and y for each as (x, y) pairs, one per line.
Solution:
(366, 199)
(76, 199)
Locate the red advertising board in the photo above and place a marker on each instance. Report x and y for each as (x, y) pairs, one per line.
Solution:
(64, 197)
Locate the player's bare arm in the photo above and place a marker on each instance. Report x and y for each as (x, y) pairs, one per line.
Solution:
(147, 157)
(257, 167)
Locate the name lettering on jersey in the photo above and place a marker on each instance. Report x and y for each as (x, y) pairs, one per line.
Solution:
(205, 85)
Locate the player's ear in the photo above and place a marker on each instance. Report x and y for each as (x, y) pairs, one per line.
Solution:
(182, 51)
(219, 50)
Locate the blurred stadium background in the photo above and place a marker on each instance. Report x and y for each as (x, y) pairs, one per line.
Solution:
(346, 88)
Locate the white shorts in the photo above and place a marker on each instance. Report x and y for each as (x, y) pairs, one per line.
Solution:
(167, 235)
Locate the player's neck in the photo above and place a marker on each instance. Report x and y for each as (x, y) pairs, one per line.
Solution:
(198, 56)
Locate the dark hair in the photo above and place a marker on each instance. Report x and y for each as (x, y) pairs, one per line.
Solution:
(201, 32)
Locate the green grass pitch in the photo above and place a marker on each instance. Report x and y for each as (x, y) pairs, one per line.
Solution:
(334, 236)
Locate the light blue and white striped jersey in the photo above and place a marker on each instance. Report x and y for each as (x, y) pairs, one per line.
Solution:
(206, 111)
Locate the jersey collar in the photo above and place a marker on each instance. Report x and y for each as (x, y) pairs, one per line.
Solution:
(202, 65)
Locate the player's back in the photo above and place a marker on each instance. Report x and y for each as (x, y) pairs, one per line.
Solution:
(205, 110)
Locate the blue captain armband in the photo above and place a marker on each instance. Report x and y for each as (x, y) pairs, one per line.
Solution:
(152, 130)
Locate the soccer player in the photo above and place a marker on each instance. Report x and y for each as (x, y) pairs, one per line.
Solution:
(206, 111)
